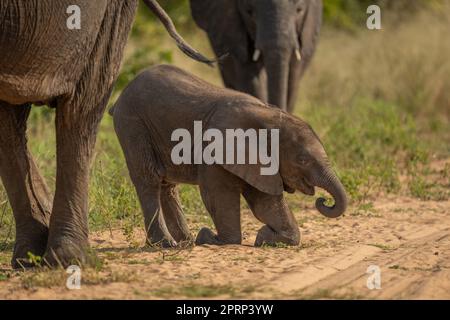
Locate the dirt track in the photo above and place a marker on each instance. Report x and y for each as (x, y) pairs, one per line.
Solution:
(408, 239)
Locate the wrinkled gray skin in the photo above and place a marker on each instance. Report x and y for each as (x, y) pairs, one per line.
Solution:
(43, 62)
(277, 28)
(165, 98)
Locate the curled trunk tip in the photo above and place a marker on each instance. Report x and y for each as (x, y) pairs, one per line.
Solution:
(333, 211)
(335, 188)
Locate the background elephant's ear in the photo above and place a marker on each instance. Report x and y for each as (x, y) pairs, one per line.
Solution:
(222, 22)
(309, 34)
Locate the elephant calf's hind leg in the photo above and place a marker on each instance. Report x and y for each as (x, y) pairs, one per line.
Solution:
(173, 214)
(27, 192)
(136, 145)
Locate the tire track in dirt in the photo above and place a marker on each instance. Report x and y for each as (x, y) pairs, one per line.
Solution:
(419, 267)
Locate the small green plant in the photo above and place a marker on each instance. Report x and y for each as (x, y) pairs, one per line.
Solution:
(33, 259)
(195, 291)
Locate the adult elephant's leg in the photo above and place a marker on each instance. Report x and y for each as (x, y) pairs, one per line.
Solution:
(220, 191)
(281, 226)
(77, 120)
(173, 214)
(27, 192)
(78, 114)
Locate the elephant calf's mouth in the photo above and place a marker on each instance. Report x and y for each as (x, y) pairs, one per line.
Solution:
(306, 187)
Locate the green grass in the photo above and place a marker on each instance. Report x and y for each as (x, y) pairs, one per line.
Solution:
(325, 294)
(196, 291)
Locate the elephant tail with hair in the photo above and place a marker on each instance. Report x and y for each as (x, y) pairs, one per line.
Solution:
(170, 27)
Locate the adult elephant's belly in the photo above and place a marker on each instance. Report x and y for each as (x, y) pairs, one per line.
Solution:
(40, 89)
(41, 57)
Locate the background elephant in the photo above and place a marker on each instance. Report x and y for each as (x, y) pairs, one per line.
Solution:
(270, 43)
(163, 99)
(43, 62)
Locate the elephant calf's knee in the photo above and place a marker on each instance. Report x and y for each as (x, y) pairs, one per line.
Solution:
(269, 236)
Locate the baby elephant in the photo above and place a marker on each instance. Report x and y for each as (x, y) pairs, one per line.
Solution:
(176, 128)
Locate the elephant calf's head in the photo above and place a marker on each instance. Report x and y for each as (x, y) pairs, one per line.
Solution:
(304, 165)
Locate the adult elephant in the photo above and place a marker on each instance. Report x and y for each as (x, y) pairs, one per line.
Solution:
(42, 61)
(270, 43)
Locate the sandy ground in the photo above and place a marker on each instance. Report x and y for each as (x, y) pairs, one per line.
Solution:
(408, 239)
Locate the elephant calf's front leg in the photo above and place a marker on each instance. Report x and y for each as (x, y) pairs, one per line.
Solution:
(281, 226)
(221, 194)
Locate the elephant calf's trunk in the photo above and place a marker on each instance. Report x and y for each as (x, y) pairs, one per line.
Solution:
(333, 186)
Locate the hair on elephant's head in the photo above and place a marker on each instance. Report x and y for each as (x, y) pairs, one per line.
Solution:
(278, 32)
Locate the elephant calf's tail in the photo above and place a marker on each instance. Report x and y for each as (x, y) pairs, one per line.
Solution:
(181, 43)
(111, 111)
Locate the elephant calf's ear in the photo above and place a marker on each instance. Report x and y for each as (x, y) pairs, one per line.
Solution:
(251, 173)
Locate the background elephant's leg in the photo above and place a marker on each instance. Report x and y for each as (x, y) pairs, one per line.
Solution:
(27, 192)
(297, 69)
(173, 214)
(220, 192)
(245, 77)
(228, 72)
(281, 226)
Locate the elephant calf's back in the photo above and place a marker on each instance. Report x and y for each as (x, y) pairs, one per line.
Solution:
(166, 88)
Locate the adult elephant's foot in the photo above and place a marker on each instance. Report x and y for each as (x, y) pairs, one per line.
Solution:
(67, 251)
(206, 236)
(268, 236)
(29, 247)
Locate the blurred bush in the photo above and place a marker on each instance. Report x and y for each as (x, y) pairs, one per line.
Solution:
(347, 14)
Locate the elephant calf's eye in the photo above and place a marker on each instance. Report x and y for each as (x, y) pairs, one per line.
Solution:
(303, 161)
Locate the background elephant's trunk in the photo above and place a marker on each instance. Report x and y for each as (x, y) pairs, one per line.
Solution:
(277, 68)
(277, 38)
(332, 185)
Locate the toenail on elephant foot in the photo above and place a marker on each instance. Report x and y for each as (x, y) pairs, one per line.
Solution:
(268, 236)
(68, 252)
